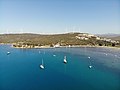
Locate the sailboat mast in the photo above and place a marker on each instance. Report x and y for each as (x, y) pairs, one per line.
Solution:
(65, 57)
(42, 61)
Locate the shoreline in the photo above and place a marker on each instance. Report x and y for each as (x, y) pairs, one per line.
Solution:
(74, 46)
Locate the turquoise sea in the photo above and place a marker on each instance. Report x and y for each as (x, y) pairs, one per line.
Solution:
(20, 69)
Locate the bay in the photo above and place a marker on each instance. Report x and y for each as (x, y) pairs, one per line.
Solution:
(20, 69)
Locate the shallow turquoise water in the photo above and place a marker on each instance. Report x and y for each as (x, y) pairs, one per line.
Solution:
(20, 70)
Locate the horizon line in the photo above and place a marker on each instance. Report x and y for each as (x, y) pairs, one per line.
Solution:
(55, 33)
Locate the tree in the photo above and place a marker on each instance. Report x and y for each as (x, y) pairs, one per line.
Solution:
(113, 44)
(100, 44)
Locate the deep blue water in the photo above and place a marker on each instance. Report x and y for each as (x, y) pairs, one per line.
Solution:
(20, 70)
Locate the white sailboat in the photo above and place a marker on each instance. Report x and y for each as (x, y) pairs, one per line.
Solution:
(65, 60)
(90, 66)
(89, 57)
(8, 53)
(54, 55)
(42, 66)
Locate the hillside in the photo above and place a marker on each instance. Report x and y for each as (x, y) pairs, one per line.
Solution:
(40, 39)
(108, 35)
(115, 38)
(62, 39)
(111, 36)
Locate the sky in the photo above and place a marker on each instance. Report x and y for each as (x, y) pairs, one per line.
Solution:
(60, 16)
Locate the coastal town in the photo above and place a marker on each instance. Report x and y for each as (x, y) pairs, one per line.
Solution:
(87, 36)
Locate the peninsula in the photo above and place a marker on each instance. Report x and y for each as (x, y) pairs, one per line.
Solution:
(28, 40)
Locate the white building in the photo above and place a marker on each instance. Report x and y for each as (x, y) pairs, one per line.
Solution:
(57, 45)
(98, 38)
